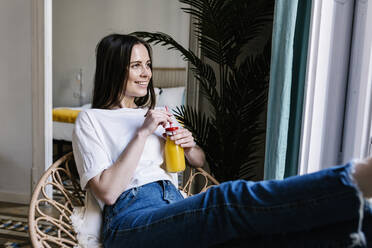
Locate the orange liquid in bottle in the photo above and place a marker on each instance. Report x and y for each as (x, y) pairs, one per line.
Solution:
(174, 156)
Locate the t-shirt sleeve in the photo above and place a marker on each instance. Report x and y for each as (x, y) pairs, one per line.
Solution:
(89, 153)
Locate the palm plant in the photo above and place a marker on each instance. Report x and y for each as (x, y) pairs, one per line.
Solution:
(232, 130)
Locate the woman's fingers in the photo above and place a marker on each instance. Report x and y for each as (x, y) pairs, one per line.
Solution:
(154, 118)
(180, 134)
(186, 143)
(162, 118)
(158, 116)
(151, 111)
(183, 137)
(162, 113)
(159, 111)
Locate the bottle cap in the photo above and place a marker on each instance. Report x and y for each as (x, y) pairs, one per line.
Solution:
(171, 129)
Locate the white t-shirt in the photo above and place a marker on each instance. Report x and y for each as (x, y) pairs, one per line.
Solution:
(101, 135)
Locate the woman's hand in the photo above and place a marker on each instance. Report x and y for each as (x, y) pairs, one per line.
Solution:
(153, 119)
(194, 154)
(183, 137)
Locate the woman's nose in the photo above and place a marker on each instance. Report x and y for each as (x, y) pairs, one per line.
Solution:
(146, 72)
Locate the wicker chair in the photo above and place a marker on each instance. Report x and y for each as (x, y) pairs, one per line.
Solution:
(58, 192)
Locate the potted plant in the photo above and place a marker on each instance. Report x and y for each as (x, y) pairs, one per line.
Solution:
(234, 82)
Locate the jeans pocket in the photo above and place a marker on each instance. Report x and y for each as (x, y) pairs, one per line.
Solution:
(170, 193)
(125, 200)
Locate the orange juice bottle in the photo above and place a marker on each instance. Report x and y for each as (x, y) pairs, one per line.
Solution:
(174, 154)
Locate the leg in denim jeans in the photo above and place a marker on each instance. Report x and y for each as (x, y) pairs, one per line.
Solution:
(154, 215)
(334, 235)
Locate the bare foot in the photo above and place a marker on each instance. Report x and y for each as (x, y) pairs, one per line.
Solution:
(363, 176)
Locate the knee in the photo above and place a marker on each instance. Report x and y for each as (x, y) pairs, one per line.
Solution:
(232, 188)
(237, 185)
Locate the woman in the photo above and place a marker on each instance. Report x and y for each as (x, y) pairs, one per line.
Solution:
(118, 148)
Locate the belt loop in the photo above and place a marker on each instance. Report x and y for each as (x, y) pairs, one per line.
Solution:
(165, 191)
(135, 190)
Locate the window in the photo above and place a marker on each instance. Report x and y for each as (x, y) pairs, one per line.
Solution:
(337, 104)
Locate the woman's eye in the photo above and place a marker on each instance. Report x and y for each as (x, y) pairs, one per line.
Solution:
(135, 65)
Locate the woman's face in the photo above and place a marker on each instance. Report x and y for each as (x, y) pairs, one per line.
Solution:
(139, 73)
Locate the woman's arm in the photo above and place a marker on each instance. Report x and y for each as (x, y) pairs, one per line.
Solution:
(193, 153)
(110, 183)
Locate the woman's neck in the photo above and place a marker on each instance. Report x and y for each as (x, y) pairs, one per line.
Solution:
(127, 103)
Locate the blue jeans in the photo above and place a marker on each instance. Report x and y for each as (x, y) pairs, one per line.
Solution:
(322, 209)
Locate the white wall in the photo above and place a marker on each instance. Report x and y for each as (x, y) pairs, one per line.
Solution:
(15, 100)
(78, 25)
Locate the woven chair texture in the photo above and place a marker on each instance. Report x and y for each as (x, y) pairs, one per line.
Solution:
(58, 192)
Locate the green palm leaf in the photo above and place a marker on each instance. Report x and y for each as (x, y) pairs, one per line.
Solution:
(236, 87)
(196, 122)
(223, 27)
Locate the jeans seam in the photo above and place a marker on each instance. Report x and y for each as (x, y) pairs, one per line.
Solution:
(144, 227)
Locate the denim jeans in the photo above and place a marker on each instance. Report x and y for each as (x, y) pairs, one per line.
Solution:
(322, 209)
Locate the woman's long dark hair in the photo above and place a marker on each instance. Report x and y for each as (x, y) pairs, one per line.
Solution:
(113, 54)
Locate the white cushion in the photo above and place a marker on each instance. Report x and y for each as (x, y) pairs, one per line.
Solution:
(171, 97)
(87, 222)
